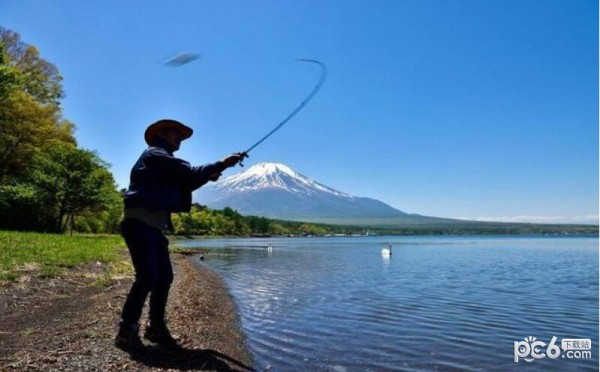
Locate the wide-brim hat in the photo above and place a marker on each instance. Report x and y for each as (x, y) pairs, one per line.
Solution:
(154, 128)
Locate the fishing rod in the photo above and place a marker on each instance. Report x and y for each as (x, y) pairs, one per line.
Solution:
(185, 58)
(322, 77)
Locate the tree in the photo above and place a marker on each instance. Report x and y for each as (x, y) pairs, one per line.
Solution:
(40, 78)
(72, 181)
(45, 180)
(278, 229)
(20, 207)
(309, 229)
(9, 76)
(26, 128)
(30, 116)
(258, 225)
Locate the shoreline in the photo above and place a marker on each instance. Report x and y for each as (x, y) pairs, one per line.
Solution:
(67, 324)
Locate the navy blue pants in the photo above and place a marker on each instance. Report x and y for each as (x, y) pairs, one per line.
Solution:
(149, 252)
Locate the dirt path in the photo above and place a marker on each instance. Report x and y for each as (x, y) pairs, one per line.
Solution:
(65, 324)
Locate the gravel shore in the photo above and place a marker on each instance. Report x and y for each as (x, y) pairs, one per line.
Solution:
(66, 324)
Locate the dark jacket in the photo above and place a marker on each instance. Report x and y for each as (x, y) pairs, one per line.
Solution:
(161, 182)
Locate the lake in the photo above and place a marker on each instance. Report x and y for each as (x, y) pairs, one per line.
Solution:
(444, 303)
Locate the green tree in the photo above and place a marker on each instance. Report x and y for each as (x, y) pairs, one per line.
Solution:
(258, 225)
(239, 226)
(39, 78)
(312, 229)
(20, 207)
(45, 180)
(276, 228)
(9, 76)
(26, 128)
(30, 117)
(72, 181)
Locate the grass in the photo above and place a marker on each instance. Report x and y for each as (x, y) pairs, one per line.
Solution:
(51, 254)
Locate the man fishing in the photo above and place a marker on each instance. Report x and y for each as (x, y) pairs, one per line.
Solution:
(160, 184)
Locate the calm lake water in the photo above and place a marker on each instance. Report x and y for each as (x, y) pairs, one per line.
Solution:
(444, 303)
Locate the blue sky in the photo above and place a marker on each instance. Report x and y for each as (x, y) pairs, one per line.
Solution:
(454, 108)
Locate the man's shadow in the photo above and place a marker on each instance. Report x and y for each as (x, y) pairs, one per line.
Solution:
(188, 359)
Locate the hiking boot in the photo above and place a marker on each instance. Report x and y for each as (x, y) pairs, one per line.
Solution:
(160, 335)
(128, 339)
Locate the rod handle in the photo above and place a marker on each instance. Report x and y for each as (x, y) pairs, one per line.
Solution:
(242, 154)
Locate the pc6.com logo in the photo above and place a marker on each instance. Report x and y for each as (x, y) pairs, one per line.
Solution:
(531, 349)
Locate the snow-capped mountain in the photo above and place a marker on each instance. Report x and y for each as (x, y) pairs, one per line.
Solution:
(276, 191)
(275, 176)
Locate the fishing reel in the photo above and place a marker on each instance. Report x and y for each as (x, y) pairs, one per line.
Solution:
(242, 154)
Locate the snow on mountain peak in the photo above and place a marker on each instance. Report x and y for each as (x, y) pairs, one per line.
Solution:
(264, 169)
(263, 176)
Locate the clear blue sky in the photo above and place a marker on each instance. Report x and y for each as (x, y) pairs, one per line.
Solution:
(474, 109)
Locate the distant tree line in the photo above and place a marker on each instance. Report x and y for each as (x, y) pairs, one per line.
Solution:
(47, 182)
(228, 222)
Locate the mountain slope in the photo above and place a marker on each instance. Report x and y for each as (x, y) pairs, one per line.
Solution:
(277, 191)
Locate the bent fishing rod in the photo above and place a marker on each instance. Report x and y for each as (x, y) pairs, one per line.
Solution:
(322, 77)
(185, 58)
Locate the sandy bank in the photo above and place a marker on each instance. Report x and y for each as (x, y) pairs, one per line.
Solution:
(65, 324)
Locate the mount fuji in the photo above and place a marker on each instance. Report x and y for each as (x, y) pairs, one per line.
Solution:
(277, 191)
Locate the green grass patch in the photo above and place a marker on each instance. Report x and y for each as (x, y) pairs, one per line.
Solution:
(116, 269)
(53, 253)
